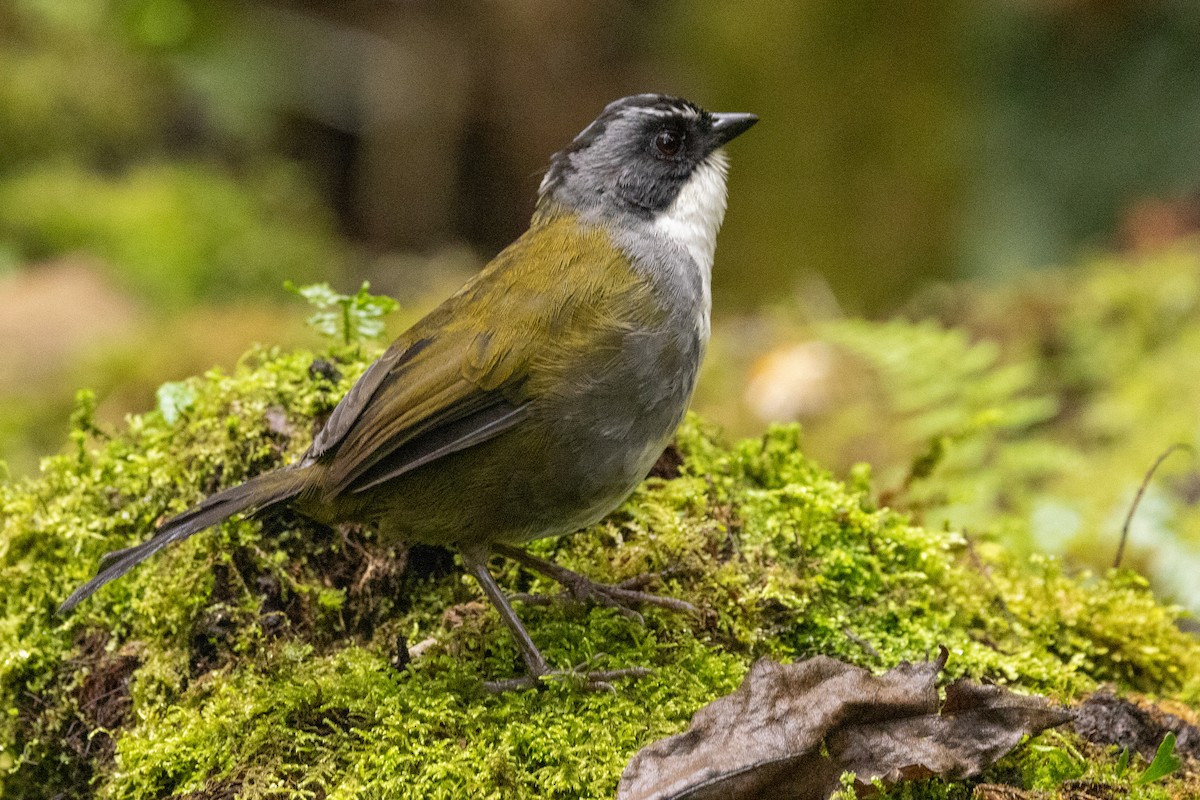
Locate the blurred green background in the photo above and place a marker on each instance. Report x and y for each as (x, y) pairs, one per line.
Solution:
(165, 165)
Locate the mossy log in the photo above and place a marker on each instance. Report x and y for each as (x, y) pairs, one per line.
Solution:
(285, 659)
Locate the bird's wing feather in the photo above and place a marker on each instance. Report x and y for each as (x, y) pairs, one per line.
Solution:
(447, 384)
(345, 414)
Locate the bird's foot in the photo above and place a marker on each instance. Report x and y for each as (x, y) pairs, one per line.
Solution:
(580, 588)
(621, 596)
(580, 676)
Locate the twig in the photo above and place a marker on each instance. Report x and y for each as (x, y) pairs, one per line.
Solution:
(867, 647)
(1137, 498)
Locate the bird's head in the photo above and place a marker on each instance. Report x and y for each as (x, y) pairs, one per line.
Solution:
(649, 156)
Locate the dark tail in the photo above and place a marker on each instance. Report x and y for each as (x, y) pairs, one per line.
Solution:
(255, 495)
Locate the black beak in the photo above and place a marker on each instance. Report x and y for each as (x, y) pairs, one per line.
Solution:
(727, 126)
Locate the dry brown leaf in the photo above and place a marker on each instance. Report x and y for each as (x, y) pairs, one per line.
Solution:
(995, 791)
(791, 731)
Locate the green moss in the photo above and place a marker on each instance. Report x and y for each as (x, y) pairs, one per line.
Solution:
(263, 656)
(1027, 413)
(1083, 377)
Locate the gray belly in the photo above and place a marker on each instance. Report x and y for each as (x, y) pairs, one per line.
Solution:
(612, 425)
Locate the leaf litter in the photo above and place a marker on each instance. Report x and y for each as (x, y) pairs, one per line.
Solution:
(791, 731)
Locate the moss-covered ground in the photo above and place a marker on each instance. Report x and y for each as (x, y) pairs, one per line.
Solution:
(280, 658)
(1026, 412)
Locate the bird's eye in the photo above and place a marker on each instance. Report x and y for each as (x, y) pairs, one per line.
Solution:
(668, 141)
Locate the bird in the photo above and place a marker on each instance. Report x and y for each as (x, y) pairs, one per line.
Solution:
(533, 401)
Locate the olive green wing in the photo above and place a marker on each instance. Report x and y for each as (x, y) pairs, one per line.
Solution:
(413, 410)
(457, 377)
(422, 400)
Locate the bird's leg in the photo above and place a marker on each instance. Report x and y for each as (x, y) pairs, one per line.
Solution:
(475, 559)
(584, 589)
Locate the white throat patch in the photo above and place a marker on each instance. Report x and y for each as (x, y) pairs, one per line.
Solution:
(693, 219)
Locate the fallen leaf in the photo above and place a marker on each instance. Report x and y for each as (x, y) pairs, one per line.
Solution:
(995, 791)
(1090, 790)
(791, 731)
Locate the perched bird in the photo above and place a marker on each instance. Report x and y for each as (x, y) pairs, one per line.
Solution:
(533, 401)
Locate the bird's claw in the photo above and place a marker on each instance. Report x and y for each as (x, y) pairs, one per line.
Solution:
(596, 681)
(581, 589)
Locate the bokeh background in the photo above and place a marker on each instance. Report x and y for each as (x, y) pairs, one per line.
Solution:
(937, 255)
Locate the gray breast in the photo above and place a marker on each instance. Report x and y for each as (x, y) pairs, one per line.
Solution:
(682, 284)
(615, 422)
(664, 367)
